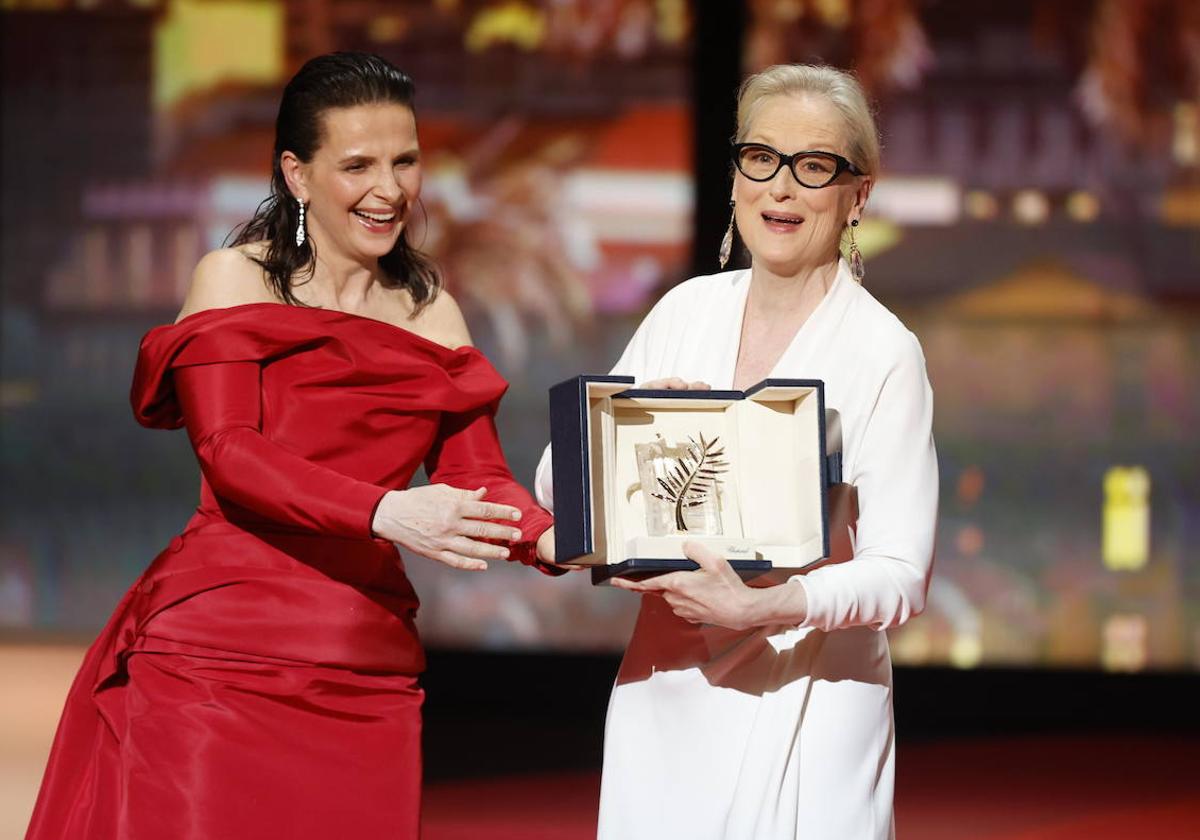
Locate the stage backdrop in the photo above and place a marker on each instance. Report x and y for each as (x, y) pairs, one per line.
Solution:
(1035, 224)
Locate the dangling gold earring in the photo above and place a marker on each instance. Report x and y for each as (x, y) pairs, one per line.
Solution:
(856, 260)
(726, 240)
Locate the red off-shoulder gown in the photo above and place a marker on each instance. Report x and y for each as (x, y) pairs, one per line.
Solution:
(260, 678)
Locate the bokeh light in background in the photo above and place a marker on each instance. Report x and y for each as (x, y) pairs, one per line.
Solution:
(1036, 224)
(558, 200)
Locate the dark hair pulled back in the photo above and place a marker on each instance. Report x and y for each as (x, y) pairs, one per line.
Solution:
(336, 80)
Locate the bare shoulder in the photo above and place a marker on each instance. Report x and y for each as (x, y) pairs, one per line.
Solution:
(226, 277)
(442, 321)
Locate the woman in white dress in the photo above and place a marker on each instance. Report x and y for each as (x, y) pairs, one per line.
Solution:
(766, 714)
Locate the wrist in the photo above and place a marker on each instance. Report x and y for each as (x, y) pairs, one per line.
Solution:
(380, 516)
(785, 603)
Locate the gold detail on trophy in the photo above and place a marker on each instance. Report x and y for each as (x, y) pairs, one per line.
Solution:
(693, 477)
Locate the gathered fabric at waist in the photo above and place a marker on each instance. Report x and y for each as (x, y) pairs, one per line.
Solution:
(283, 597)
(211, 541)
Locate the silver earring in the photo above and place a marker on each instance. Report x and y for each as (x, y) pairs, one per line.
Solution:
(856, 259)
(726, 241)
(301, 233)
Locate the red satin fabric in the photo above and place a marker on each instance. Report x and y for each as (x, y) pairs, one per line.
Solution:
(260, 678)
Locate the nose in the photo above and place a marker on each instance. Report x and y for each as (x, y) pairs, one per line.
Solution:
(388, 186)
(783, 185)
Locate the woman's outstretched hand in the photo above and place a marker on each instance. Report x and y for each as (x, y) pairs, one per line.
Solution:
(446, 524)
(673, 383)
(714, 594)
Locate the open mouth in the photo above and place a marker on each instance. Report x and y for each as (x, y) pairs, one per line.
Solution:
(376, 218)
(782, 219)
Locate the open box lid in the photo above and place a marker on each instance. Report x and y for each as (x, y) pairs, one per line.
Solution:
(593, 415)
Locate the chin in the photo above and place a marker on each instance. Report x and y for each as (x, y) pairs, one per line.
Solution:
(778, 261)
(377, 249)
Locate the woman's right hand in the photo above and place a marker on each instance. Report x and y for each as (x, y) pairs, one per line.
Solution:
(446, 524)
(673, 383)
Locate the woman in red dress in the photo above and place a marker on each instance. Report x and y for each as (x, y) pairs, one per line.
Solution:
(260, 679)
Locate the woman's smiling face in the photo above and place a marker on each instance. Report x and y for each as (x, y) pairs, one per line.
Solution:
(788, 228)
(362, 181)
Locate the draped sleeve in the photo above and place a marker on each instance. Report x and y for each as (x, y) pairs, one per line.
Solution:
(205, 373)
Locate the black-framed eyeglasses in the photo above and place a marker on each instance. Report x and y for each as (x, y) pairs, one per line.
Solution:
(812, 169)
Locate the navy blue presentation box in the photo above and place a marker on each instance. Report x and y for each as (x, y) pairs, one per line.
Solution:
(773, 498)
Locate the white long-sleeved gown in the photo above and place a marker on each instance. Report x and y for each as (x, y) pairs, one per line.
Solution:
(785, 732)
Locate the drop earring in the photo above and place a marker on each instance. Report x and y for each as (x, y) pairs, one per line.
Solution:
(301, 233)
(726, 241)
(856, 259)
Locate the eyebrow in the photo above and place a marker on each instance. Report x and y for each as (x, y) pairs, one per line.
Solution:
(415, 151)
(820, 147)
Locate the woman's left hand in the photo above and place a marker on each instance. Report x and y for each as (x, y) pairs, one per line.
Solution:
(712, 594)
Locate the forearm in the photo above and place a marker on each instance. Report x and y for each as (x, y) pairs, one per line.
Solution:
(252, 472)
(872, 590)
